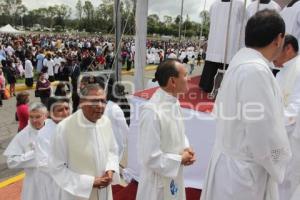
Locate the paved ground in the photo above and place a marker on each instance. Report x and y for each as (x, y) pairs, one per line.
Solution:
(8, 125)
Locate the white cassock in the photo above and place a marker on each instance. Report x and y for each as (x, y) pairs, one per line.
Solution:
(216, 43)
(251, 149)
(21, 154)
(288, 79)
(49, 189)
(290, 188)
(82, 150)
(291, 17)
(119, 125)
(252, 7)
(161, 140)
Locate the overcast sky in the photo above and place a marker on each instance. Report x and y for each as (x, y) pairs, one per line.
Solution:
(166, 7)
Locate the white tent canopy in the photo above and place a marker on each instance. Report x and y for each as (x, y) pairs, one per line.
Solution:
(9, 29)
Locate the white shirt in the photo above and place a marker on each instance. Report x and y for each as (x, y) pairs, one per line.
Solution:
(50, 65)
(251, 149)
(172, 56)
(151, 84)
(21, 154)
(289, 81)
(9, 50)
(252, 7)
(50, 190)
(82, 150)
(161, 141)
(216, 43)
(28, 69)
(57, 63)
(291, 17)
(119, 125)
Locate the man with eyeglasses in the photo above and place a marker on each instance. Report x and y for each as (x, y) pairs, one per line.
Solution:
(84, 157)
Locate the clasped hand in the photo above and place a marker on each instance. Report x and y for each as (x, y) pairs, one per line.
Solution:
(188, 156)
(103, 181)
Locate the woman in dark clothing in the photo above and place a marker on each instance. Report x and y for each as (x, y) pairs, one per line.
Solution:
(43, 88)
(11, 77)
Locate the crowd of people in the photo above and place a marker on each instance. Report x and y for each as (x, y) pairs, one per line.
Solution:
(57, 57)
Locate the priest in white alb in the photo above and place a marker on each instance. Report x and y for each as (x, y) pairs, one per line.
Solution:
(21, 152)
(58, 109)
(289, 82)
(163, 147)
(251, 149)
(84, 158)
(288, 78)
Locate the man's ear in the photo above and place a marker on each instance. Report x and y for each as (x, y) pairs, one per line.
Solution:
(172, 81)
(289, 48)
(279, 40)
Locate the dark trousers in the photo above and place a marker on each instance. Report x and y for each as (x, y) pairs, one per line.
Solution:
(129, 63)
(207, 78)
(51, 78)
(1, 96)
(29, 82)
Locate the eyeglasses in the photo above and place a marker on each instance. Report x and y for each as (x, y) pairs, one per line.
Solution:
(97, 101)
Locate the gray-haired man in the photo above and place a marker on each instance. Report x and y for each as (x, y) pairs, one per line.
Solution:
(84, 156)
(21, 152)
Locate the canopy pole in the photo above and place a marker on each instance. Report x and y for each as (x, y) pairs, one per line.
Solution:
(117, 16)
(180, 23)
(140, 43)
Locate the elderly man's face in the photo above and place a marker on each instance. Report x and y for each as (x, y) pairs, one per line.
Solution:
(59, 111)
(94, 105)
(37, 118)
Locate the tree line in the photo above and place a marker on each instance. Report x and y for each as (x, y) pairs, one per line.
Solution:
(89, 18)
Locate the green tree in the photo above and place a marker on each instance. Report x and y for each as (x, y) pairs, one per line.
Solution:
(50, 14)
(88, 10)
(79, 9)
(168, 20)
(63, 12)
(105, 17)
(12, 8)
(177, 20)
(154, 17)
(205, 22)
